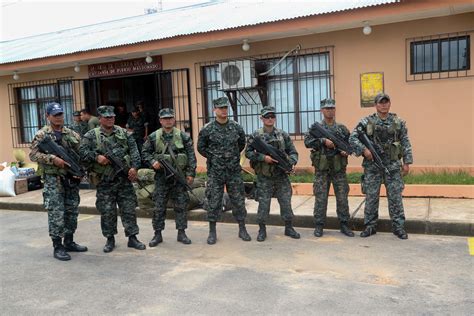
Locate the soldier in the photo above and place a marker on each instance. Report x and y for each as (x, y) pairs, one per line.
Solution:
(138, 126)
(271, 179)
(78, 125)
(113, 190)
(330, 167)
(388, 132)
(176, 147)
(221, 142)
(61, 192)
(91, 120)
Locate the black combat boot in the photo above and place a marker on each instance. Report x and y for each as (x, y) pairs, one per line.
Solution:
(59, 251)
(182, 237)
(369, 231)
(346, 230)
(156, 239)
(401, 233)
(243, 232)
(262, 233)
(110, 244)
(318, 231)
(133, 242)
(290, 231)
(70, 245)
(212, 238)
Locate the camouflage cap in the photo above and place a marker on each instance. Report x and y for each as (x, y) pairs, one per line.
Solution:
(221, 102)
(76, 113)
(266, 110)
(328, 103)
(379, 97)
(54, 108)
(105, 111)
(166, 112)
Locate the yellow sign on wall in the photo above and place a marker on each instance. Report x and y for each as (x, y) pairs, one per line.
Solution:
(371, 84)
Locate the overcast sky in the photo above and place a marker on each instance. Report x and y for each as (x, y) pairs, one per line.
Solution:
(22, 18)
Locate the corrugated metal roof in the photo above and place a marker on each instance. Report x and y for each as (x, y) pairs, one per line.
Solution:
(203, 18)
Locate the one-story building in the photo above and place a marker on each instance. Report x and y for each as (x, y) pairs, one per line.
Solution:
(287, 54)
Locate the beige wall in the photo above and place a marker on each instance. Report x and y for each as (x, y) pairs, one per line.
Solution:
(439, 113)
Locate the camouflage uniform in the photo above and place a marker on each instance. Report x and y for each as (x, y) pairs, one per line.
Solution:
(60, 193)
(138, 126)
(270, 179)
(391, 135)
(330, 167)
(182, 147)
(112, 191)
(92, 123)
(80, 127)
(221, 145)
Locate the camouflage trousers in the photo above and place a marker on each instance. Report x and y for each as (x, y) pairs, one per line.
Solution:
(215, 191)
(165, 191)
(322, 182)
(110, 194)
(61, 200)
(373, 179)
(267, 187)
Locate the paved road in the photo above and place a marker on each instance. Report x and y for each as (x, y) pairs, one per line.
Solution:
(331, 275)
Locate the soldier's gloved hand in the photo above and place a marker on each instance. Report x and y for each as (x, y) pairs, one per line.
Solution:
(270, 160)
(132, 174)
(405, 169)
(102, 160)
(156, 165)
(368, 154)
(329, 144)
(58, 162)
(190, 180)
(344, 154)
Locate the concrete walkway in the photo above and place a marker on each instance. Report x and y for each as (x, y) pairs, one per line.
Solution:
(438, 216)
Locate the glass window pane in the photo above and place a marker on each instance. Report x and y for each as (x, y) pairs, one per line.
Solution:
(249, 106)
(29, 118)
(462, 54)
(453, 60)
(281, 96)
(444, 55)
(27, 93)
(46, 91)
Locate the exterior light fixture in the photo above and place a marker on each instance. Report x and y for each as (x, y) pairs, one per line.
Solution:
(367, 29)
(77, 68)
(148, 58)
(16, 76)
(245, 45)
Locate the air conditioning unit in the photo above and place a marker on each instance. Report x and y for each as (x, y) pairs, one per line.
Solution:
(237, 74)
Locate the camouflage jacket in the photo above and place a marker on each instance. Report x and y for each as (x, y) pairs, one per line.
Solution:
(317, 144)
(149, 150)
(221, 144)
(387, 134)
(137, 125)
(69, 140)
(278, 139)
(80, 127)
(122, 144)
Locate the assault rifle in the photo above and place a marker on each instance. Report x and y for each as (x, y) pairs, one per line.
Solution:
(317, 131)
(375, 153)
(71, 159)
(263, 148)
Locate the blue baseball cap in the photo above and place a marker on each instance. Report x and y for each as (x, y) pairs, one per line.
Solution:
(54, 108)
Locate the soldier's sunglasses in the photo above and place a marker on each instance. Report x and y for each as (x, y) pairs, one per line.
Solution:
(269, 116)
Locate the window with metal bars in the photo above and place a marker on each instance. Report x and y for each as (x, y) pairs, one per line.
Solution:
(294, 87)
(439, 56)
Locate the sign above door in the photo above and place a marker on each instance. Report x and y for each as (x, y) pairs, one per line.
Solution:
(125, 67)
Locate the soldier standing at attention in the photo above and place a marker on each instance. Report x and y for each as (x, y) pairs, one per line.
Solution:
(330, 167)
(113, 190)
(271, 179)
(176, 147)
(221, 142)
(61, 192)
(389, 133)
(78, 125)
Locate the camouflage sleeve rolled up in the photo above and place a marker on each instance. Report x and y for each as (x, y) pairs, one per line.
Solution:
(290, 149)
(87, 149)
(250, 151)
(406, 145)
(354, 137)
(35, 154)
(189, 148)
(148, 150)
(135, 158)
(203, 140)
